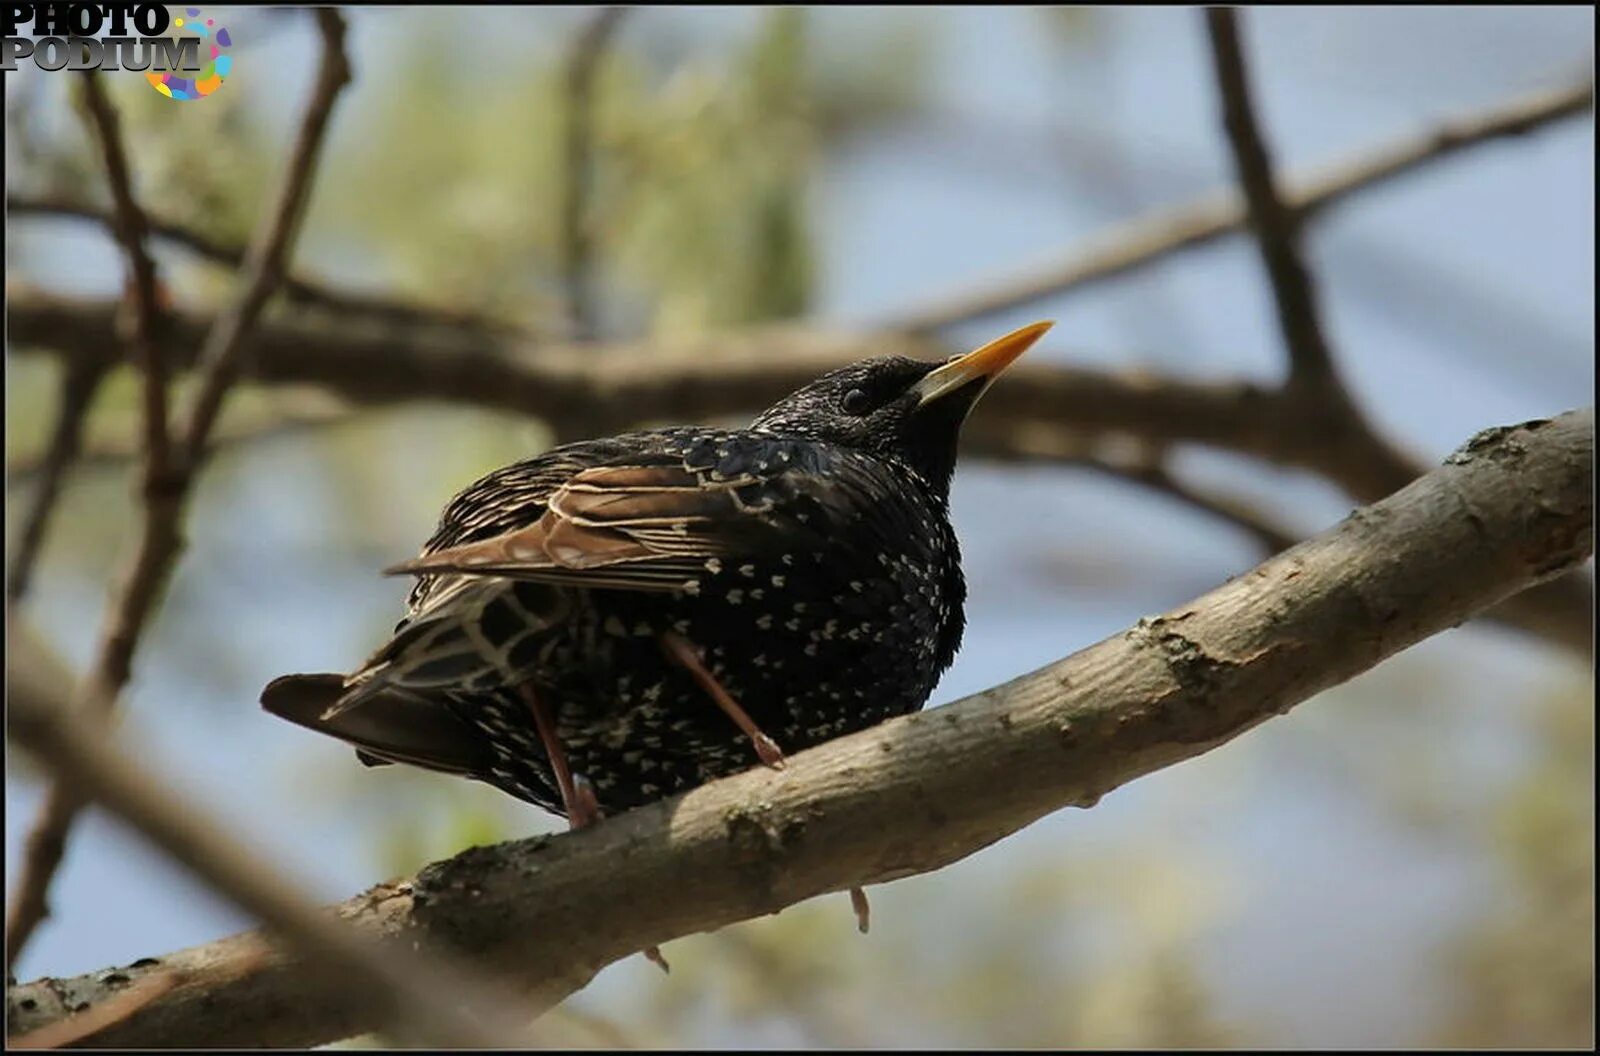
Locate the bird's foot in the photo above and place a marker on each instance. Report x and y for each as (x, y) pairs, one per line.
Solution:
(768, 750)
(858, 902)
(584, 809)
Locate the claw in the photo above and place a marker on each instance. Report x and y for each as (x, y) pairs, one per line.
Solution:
(768, 750)
(858, 902)
(585, 806)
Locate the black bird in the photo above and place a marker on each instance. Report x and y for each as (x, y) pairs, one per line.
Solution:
(619, 620)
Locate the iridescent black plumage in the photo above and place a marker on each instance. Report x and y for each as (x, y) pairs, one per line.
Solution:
(808, 558)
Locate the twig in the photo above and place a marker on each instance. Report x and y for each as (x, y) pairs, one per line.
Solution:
(1513, 506)
(1323, 413)
(1276, 225)
(380, 985)
(296, 290)
(131, 232)
(166, 481)
(1158, 477)
(1145, 240)
(115, 451)
(46, 841)
(576, 235)
(1146, 466)
(79, 383)
(265, 260)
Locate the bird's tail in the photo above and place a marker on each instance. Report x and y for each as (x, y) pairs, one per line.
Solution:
(392, 726)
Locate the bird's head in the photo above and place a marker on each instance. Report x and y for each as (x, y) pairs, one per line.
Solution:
(898, 408)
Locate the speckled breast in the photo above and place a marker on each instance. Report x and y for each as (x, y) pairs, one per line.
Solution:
(813, 645)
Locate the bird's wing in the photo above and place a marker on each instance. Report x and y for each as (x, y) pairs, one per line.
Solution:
(651, 523)
(507, 499)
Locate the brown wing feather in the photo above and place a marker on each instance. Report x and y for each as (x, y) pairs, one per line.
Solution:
(640, 527)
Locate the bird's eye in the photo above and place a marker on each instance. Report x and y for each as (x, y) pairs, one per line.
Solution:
(856, 401)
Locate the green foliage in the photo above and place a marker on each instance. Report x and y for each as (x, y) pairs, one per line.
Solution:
(1023, 964)
(1523, 973)
(698, 204)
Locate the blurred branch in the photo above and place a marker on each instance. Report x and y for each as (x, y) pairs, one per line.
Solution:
(1147, 239)
(1270, 536)
(131, 229)
(169, 473)
(114, 452)
(267, 259)
(295, 290)
(1511, 507)
(580, 393)
(346, 972)
(1276, 225)
(46, 840)
(577, 243)
(79, 383)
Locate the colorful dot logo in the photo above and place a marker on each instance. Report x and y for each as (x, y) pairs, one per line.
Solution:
(209, 79)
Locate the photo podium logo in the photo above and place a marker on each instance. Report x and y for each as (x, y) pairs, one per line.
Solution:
(182, 67)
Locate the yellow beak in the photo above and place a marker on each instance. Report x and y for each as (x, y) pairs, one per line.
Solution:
(986, 364)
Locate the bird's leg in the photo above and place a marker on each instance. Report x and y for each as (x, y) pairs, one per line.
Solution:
(577, 794)
(582, 808)
(680, 650)
(858, 902)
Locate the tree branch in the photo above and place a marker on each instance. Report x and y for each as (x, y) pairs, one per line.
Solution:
(115, 451)
(295, 290)
(79, 383)
(1147, 239)
(588, 49)
(417, 994)
(580, 392)
(46, 840)
(169, 473)
(1510, 508)
(1276, 225)
(131, 229)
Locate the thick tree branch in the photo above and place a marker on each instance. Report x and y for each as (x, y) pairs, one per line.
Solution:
(433, 1001)
(169, 470)
(1147, 239)
(1512, 507)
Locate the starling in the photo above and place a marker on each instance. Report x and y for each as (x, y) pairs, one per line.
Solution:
(618, 620)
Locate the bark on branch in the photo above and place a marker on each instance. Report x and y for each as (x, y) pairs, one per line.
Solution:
(1510, 508)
